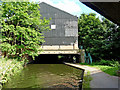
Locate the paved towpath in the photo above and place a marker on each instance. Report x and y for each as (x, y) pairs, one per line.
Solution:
(99, 78)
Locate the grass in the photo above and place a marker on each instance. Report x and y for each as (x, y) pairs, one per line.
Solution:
(107, 69)
(111, 70)
(87, 79)
(8, 68)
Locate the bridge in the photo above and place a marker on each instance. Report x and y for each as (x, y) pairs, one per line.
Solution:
(60, 49)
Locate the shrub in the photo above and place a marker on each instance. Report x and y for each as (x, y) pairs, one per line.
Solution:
(104, 62)
(8, 68)
(60, 56)
(116, 64)
(21, 29)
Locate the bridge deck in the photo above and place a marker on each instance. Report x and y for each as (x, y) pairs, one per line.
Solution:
(60, 49)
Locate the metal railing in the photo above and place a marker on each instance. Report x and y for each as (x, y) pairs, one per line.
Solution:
(81, 80)
(87, 56)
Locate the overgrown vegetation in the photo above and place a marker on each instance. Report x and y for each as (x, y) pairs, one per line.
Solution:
(8, 68)
(21, 35)
(101, 38)
(21, 29)
(108, 69)
(86, 80)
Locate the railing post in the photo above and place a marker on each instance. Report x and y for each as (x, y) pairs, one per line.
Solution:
(90, 58)
(81, 81)
(85, 57)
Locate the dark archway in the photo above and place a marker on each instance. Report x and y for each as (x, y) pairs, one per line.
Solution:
(47, 59)
(55, 59)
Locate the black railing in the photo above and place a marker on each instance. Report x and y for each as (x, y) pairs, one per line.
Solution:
(81, 80)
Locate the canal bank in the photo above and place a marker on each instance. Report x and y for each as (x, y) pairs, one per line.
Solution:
(100, 80)
(56, 73)
(8, 68)
(86, 78)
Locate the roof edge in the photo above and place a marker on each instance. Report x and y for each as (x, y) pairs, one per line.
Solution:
(58, 9)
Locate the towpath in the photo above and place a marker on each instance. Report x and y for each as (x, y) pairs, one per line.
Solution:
(100, 79)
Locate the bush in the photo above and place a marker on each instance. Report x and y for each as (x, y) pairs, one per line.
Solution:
(60, 56)
(101, 62)
(21, 29)
(104, 62)
(8, 68)
(116, 64)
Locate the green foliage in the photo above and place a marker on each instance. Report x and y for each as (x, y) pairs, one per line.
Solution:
(112, 42)
(60, 56)
(107, 66)
(116, 64)
(21, 29)
(108, 69)
(99, 37)
(104, 62)
(8, 68)
(86, 80)
(91, 33)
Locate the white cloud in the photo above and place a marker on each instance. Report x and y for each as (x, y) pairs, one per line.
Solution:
(70, 6)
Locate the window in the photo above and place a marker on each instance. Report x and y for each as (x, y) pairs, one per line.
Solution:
(53, 26)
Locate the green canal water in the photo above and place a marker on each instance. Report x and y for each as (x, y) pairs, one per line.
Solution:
(46, 76)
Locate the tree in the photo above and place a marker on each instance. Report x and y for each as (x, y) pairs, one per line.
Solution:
(112, 39)
(21, 29)
(91, 34)
(99, 37)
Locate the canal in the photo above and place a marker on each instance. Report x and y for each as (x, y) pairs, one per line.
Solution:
(46, 76)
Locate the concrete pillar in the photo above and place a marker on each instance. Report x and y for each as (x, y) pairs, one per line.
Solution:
(82, 55)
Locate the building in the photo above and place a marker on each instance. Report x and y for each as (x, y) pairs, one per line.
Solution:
(63, 38)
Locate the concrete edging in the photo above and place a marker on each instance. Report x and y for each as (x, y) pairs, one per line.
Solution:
(73, 66)
(82, 75)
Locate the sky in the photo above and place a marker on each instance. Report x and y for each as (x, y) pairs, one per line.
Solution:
(74, 7)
